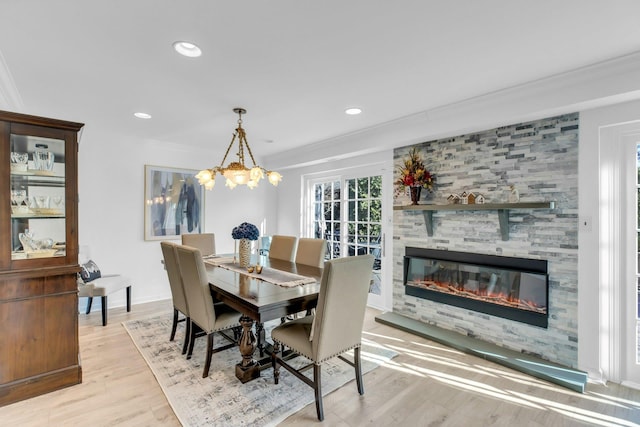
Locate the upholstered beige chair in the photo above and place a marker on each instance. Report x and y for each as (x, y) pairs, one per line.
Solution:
(336, 326)
(203, 314)
(283, 247)
(206, 242)
(177, 292)
(311, 252)
(103, 286)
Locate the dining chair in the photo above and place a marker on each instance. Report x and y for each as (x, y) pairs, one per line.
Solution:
(206, 242)
(311, 252)
(335, 328)
(177, 292)
(283, 247)
(204, 315)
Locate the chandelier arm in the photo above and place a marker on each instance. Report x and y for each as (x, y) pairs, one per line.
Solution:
(249, 150)
(227, 153)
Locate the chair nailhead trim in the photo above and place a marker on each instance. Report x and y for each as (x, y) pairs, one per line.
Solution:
(318, 362)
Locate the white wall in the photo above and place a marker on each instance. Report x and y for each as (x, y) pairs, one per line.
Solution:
(111, 210)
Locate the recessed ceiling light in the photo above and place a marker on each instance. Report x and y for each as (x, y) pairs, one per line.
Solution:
(141, 115)
(353, 111)
(187, 49)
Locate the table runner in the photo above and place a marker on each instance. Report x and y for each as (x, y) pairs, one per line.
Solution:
(271, 275)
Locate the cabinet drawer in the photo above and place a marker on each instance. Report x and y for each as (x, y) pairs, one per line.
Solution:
(34, 287)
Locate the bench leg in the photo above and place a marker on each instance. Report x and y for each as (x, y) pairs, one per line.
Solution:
(104, 310)
(128, 298)
(89, 301)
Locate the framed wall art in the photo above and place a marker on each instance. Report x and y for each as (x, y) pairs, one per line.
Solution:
(173, 203)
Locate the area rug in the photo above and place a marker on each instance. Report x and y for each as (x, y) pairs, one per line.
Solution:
(221, 399)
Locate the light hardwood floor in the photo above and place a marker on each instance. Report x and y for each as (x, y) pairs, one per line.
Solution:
(427, 384)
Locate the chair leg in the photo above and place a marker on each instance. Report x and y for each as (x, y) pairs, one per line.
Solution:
(317, 387)
(187, 335)
(174, 325)
(207, 364)
(104, 310)
(89, 301)
(274, 361)
(192, 340)
(358, 367)
(128, 298)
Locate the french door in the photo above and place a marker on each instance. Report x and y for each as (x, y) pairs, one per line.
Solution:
(631, 291)
(348, 211)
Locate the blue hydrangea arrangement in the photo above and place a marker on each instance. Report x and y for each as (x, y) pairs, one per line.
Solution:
(245, 231)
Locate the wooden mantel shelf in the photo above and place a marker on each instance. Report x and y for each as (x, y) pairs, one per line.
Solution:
(502, 209)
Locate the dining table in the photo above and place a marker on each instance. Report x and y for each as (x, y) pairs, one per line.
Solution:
(268, 289)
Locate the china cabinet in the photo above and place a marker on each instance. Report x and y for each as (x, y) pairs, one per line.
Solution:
(38, 256)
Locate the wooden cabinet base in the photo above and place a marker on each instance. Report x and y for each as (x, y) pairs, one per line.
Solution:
(46, 383)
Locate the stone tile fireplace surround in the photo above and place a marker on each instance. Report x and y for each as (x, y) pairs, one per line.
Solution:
(541, 159)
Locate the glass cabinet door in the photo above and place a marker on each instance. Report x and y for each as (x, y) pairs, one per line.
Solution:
(37, 171)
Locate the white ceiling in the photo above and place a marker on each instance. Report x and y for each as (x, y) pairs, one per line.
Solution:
(295, 65)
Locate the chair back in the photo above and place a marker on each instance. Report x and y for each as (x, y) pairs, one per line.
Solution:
(175, 280)
(283, 247)
(311, 252)
(341, 306)
(196, 287)
(206, 242)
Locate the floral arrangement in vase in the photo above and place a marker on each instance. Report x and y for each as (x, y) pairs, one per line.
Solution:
(413, 174)
(245, 232)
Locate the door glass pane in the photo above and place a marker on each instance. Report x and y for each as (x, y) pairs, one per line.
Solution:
(326, 215)
(376, 187)
(363, 188)
(351, 186)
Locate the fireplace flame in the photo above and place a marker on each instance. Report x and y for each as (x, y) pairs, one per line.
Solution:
(500, 298)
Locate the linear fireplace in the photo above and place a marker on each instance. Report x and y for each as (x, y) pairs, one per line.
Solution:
(512, 288)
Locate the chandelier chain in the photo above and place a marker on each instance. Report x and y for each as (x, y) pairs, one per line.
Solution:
(227, 152)
(244, 138)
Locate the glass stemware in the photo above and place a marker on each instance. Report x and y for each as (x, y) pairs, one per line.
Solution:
(17, 198)
(57, 203)
(19, 161)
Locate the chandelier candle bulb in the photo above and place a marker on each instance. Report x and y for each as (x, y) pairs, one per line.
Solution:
(236, 173)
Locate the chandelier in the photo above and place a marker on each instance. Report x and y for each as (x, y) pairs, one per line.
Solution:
(237, 173)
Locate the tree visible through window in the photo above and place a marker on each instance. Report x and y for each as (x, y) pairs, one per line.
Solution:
(348, 215)
(326, 221)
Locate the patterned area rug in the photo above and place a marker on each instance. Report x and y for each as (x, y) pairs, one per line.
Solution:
(221, 399)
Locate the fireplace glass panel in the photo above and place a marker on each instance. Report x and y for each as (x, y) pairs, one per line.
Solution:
(514, 292)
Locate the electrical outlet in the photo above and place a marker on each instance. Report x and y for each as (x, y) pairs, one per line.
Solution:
(585, 223)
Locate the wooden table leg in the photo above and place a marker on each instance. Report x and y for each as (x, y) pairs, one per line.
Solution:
(248, 369)
(261, 337)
